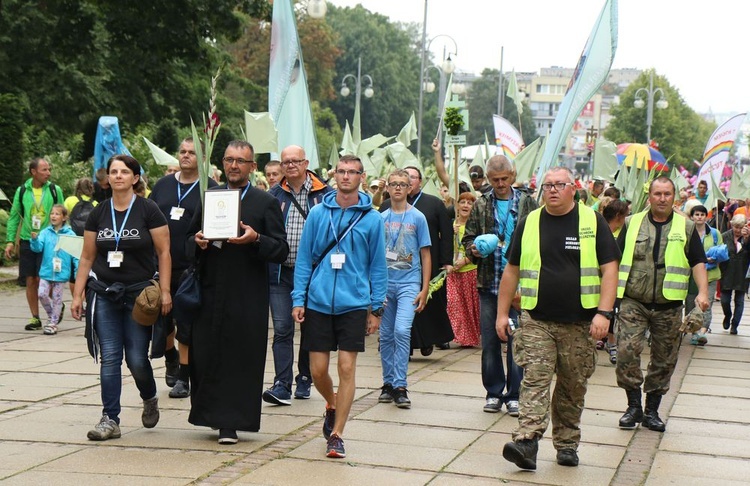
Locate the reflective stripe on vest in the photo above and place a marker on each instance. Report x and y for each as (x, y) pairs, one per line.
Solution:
(531, 262)
(676, 263)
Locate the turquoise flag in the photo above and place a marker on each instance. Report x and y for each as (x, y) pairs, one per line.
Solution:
(605, 159)
(288, 98)
(590, 73)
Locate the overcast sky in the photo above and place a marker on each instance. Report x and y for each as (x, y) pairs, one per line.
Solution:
(699, 46)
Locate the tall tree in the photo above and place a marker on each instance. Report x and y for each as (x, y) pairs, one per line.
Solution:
(482, 103)
(390, 54)
(680, 132)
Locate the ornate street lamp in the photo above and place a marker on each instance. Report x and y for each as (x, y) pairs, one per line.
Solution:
(650, 93)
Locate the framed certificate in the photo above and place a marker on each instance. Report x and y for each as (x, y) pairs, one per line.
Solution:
(221, 214)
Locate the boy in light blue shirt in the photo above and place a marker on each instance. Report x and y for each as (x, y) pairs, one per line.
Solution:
(408, 259)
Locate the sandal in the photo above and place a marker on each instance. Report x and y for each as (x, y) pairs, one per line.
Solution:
(50, 329)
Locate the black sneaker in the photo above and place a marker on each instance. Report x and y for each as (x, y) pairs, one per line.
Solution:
(228, 436)
(329, 419)
(522, 453)
(400, 398)
(34, 324)
(567, 457)
(278, 394)
(335, 447)
(386, 395)
(181, 389)
(150, 415)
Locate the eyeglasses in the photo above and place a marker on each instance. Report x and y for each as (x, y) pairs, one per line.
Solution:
(240, 161)
(293, 162)
(350, 173)
(559, 186)
(401, 185)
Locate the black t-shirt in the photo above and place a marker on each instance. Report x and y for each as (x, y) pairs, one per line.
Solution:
(166, 197)
(138, 263)
(559, 280)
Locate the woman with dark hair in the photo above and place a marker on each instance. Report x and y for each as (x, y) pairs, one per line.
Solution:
(121, 236)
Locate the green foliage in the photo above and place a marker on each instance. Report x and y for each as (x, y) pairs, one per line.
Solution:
(482, 104)
(454, 122)
(680, 132)
(13, 149)
(390, 54)
(327, 131)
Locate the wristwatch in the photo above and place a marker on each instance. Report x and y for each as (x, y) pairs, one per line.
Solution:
(377, 312)
(608, 314)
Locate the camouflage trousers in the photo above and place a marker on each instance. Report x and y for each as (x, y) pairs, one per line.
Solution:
(547, 348)
(633, 321)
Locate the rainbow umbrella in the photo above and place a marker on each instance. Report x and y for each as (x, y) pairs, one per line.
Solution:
(636, 154)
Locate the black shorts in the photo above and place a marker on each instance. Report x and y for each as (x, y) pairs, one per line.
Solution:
(326, 332)
(29, 262)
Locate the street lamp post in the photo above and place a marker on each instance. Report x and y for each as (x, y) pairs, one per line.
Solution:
(650, 95)
(368, 92)
(447, 67)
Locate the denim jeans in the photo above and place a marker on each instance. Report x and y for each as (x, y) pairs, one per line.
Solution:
(280, 295)
(118, 333)
(395, 332)
(494, 377)
(739, 306)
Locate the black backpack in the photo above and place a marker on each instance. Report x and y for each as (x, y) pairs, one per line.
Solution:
(79, 215)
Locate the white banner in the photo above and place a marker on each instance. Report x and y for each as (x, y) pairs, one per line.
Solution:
(507, 137)
(717, 149)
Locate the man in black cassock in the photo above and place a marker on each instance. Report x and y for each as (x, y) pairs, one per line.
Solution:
(431, 326)
(230, 333)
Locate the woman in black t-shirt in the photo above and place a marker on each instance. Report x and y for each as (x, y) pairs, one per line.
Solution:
(120, 238)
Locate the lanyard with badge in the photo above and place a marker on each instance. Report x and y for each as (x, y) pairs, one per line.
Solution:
(338, 258)
(115, 258)
(178, 212)
(391, 254)
(36, 219)
(501, 225)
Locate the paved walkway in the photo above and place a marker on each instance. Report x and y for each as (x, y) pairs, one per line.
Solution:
(49, 399)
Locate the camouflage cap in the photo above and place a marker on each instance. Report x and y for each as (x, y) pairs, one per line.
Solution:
(693, 321)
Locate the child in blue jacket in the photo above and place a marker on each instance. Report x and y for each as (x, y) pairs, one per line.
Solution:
(57, 265)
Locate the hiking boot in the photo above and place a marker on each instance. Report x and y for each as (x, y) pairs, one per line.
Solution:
(62, 314)
(512, 408)
(386, 394)
(34, 324)
(171, 372)
(634, 413)
(329, 419)
(302, 391)
(150, 415)
(278, 394)
(651, 418)
(567, 457)
(228, 436)
(335, 447)
(493, 405)
(105, 429)
(522, 453)
(400, 397)
(181, 389)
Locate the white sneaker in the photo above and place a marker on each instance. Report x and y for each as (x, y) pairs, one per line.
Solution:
(512, 408)
(493, 405)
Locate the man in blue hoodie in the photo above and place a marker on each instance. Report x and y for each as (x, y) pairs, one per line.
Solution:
(297, 192)
(340, 282)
